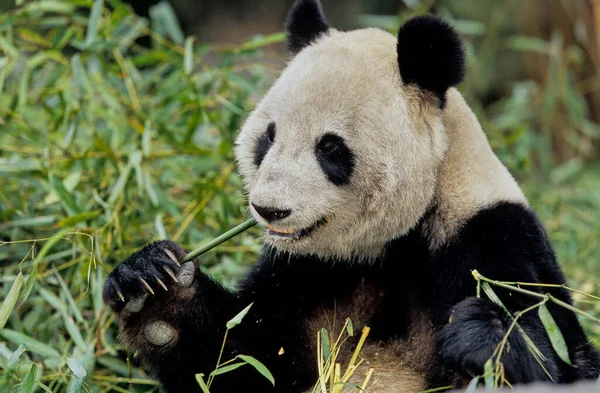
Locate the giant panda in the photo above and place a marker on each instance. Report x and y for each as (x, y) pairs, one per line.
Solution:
(379, 194)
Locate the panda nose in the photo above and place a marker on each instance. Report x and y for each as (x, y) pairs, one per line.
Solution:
(271, 214)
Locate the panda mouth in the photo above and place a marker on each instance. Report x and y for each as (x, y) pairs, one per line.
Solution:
(295, 234)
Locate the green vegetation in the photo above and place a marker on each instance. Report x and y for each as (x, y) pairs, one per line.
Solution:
(105, 145)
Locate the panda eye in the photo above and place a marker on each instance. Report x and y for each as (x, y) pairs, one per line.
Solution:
(329, 144)
(335, 158)
(271, 133)
(264, 143)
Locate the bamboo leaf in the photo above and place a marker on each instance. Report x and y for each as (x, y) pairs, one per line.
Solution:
(229, 367)
(76, 367)
(19, 166)
(488, 375)
(75, 385)
(16, 355)
(233, 322)
(32, 344)
(200, 380)
(28, 384)
(93, 23)
(77, 218)
(472, 387)
(30, 281)
(349, 327)
(556, 338)
(65, 197)
(259, 367)
(188, 57)
(164, 19)
(11, 299)
(325, 344)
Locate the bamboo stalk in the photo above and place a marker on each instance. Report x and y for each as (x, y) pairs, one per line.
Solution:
(220, 239)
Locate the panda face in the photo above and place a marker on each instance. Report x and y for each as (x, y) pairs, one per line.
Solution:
(341, 156)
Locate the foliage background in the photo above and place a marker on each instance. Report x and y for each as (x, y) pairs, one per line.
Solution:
(106, 144)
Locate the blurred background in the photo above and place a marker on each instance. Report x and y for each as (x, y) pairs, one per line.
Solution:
(117, 123)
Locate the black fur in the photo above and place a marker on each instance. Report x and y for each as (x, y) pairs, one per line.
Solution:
(335, 158)
(305, 23)
(263, 144)
(431, 55)
(478, 325)
(504, 242)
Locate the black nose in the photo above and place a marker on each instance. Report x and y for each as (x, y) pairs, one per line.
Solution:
(270, 213)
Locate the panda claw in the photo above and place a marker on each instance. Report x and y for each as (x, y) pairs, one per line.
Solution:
(121, 296)
(146, 285)
(161, 283)
(171, 274)
(172, 256)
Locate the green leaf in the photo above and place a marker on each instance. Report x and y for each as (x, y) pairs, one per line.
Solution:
(28, 385)
(75, 385)
(160, 227)
(16, 355)
(79, 74)
(491, 294)
(259, 367)
(200, 380)
(93, 23)
(50, 6)
(119, 186)
(11, 300)
(19, 166)
(229, 367)
(528, 44)
(351, 385)
(147, 139)
(31, 222)
(259, 42)
(233, 322)
(76, 367)
(349, 327)
(188, 57)
(32, 344)
(472, 387)
(77, 218)
(488, 375)
(44, 387)
(164, 19)
(556, 338)
(66, 198)
(325, 344)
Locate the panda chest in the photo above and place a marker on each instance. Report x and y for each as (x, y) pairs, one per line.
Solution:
(399, 349)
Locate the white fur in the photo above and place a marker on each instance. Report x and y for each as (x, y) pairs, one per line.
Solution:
(349, 83)
(471, 177)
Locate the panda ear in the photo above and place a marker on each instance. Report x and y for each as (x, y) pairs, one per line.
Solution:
(305, 23)
(430, 55)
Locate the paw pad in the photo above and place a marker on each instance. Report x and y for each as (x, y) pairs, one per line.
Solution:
(186, 275)
(159, 333)
(137, 304)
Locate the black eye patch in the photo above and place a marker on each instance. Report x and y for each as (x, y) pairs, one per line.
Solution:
(335, 158)
(264, 143)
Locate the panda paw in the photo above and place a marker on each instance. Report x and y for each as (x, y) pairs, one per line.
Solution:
(469, 339)
(476, 328)
(149, 291)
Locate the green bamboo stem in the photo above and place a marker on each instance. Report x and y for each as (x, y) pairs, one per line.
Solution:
(501, 284)
(220, 239)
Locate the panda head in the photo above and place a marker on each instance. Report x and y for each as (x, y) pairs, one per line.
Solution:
(341, 156)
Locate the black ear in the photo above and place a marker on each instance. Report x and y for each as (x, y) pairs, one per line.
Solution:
(305, 22)
(430, 55)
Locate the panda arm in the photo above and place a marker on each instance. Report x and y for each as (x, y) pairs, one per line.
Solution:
(507, 243)
(178, 330)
